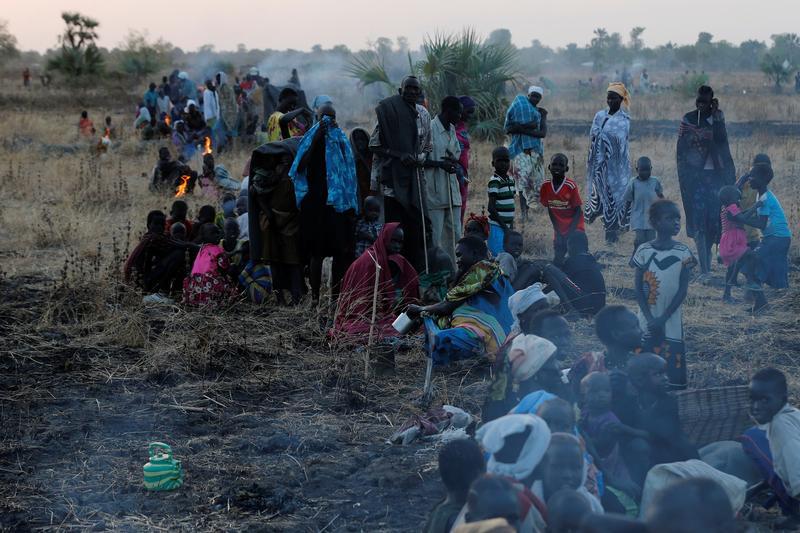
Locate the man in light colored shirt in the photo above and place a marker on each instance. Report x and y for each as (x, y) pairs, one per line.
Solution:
(210, 104)
(441, 182)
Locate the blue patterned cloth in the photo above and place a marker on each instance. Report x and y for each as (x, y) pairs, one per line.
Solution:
(522, 111)
(340, 166)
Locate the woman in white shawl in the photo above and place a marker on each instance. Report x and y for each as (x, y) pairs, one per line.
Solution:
(608, 167)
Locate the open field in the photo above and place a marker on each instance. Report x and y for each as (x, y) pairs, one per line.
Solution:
(276, 428)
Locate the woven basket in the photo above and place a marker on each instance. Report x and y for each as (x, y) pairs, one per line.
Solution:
(709, 415)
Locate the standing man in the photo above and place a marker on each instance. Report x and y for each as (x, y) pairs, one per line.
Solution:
(441, 183)
(526, 124)
(210, 105)
(151, 100)
(401, 141)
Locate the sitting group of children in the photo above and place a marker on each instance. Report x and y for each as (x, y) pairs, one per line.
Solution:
(573, 450)
(202, 259)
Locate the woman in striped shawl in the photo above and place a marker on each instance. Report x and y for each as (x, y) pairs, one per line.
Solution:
(608, 168)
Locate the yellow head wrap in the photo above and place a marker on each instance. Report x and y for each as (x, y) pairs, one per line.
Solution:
(620, 89)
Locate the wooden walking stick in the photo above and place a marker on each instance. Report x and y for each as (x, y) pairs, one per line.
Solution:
(368, 353)
(422, 214)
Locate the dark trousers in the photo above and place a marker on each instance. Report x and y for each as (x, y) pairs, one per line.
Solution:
(411, 222)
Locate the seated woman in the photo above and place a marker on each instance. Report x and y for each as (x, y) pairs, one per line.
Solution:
(474, 318)
(397, 286)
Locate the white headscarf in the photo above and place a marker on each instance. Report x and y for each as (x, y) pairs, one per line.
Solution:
(536, 89)
(223, 78)
(528, 354)
(492, 437)
(183, 75)
(522, 300)
(188, 103)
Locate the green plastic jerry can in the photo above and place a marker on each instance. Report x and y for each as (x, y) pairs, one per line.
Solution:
(163, 472)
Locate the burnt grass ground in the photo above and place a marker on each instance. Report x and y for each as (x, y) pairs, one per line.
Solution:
(276, 428)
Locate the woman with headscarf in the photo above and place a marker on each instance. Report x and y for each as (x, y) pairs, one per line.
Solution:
(324, 176)
(359, 142)
(704, 166)
(228, 109)
(526, 124)
(318, 103)
(468, 108)
(398, 286)
(516, 444)
(608, 168)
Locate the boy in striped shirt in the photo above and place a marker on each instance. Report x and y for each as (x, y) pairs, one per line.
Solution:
(562, 199)
(501, 190)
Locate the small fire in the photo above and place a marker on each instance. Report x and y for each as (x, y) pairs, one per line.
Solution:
(181, 190)
(207, 146)
(167, 120)
(107, 134)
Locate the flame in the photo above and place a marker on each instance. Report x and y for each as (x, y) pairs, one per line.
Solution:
(181, 190)
(167, 120)
(207, 146)
(107, 134)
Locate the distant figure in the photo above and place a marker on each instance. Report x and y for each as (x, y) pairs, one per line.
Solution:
(26, 77)
(644, 81)
(150, 100)
(295, 79)
(608, 167)
(85, 126)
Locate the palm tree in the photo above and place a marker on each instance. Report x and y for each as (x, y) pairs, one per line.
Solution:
(456, 64)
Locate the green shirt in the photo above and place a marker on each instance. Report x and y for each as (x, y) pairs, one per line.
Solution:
(504, 191)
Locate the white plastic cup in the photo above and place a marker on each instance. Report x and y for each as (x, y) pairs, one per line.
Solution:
(402, 324)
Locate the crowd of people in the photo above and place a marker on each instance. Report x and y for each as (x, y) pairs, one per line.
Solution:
(566, 443)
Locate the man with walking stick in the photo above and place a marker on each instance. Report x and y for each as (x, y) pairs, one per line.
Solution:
(401, 141)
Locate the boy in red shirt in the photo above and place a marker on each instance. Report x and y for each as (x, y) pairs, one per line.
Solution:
(562, 199)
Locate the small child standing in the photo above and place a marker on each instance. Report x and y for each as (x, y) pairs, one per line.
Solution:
(368, 227)
(560, 196)
(663, 268)
(642, 191)
(501, 191)
(733, 243)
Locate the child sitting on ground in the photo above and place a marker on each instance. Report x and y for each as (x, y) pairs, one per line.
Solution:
(618, 329)
(642, 191)
(663, 268)
(501, 191)
(492, 505)
(562, 467)
(560, 196)
(582, 268)
(178, 232)
(157, 264)
(178, 213)
(205, 215)
(733, 242)
(237, 250)
(85, 126)
(242, 219)
(510, 256)
(770, 408)
(605, 431)
(369, 226)
(210, 283)
(460, 463)
(656, 414)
